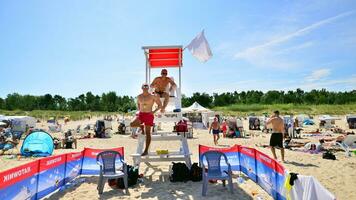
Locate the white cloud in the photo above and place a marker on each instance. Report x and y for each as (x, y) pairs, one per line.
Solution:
(265, 54)
(317, 75)
(338, 84)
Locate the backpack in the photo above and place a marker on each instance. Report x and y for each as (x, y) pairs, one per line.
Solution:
(180, 173)
(329, 155)
(196, 173)
(132, 176)
(182, 126)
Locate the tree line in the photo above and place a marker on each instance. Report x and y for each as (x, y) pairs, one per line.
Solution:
(298, 96)
(111, 102)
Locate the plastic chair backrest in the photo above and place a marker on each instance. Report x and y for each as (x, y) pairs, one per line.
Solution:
(213, 159)
(108, 159)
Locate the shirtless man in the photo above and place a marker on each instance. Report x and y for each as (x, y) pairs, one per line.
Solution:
(160, 84)
(145, 116)
(215, 126)
(277, 134)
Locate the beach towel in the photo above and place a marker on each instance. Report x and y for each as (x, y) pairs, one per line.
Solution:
(308, 187)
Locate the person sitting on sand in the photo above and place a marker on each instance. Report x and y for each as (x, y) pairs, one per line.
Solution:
(145, 117)
(215, 126)
(160, 84)
(7, 142)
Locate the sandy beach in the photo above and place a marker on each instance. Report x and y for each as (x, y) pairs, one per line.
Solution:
(336, 175)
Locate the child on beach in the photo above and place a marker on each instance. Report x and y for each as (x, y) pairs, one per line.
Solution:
(224, 127)
(215, 126)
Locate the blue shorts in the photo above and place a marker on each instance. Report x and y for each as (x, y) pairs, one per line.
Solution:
(216, 131)
(6, 146)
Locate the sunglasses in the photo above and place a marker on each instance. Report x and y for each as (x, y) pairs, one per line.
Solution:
(145, 86)
(164, 73)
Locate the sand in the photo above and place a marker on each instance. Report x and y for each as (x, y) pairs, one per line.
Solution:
(337, 176)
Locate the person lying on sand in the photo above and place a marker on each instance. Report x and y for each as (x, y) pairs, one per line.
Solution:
(160, 84)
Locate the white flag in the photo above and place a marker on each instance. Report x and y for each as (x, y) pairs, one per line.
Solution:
(199, 47)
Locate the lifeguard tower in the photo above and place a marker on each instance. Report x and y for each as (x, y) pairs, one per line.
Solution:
(165, 57)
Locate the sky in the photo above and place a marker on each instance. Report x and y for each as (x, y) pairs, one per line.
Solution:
(70, 47)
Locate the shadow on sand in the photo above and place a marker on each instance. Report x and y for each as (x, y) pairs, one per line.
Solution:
(156, 189)
(300, 164)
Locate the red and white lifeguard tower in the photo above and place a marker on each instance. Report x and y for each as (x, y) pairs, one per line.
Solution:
(165, 57)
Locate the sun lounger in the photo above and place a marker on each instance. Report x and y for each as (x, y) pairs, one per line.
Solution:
(348, 144)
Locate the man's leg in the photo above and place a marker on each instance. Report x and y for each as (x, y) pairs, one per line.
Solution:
(135, 123)
(166, 99)
(148, 139)
(274, 152)
(282, 154)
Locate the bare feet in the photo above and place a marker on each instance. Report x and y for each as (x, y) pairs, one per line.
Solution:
(144, 153)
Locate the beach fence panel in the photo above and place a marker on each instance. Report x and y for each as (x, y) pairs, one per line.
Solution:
(73, 165)
(248, 162)
(266, 174)
(281, 174)
(51, 174)
(232, 154)
(90, 167)
(19, 182)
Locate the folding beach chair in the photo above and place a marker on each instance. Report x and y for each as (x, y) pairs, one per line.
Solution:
(108, 169)
(349, 144)
(214, 171)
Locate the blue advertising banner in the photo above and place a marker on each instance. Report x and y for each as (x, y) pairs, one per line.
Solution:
(280, 179)
(73, 165)
(51, 174)
(266, 175)
(19, 182)
(248, 162)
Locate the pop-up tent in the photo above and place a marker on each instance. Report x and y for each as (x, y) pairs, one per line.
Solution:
(37, 143)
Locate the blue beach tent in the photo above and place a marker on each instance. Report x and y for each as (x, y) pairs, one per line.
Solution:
(38, 143)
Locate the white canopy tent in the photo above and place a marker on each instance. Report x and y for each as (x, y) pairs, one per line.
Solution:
(195, 107)
(199, 109)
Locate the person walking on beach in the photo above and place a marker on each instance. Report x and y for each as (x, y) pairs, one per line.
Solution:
(215, 126)
(277, 134)
(145, 117)
(160, 84)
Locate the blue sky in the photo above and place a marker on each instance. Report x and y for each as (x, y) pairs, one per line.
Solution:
(71, 47)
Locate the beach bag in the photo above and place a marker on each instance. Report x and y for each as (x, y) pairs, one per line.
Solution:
(180, 172)
(196, 173)
(132, 177)
(329, 155)
(182, 126)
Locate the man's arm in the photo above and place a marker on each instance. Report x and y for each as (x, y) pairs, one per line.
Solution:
(269, 121)
(158, 102)
(153, 84)
(138, 103)
(173, 84)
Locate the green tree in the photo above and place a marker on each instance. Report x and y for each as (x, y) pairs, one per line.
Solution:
(13, 101)
(2, 103)
(60, 102)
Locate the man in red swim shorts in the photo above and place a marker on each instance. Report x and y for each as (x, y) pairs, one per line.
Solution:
(144, 119)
